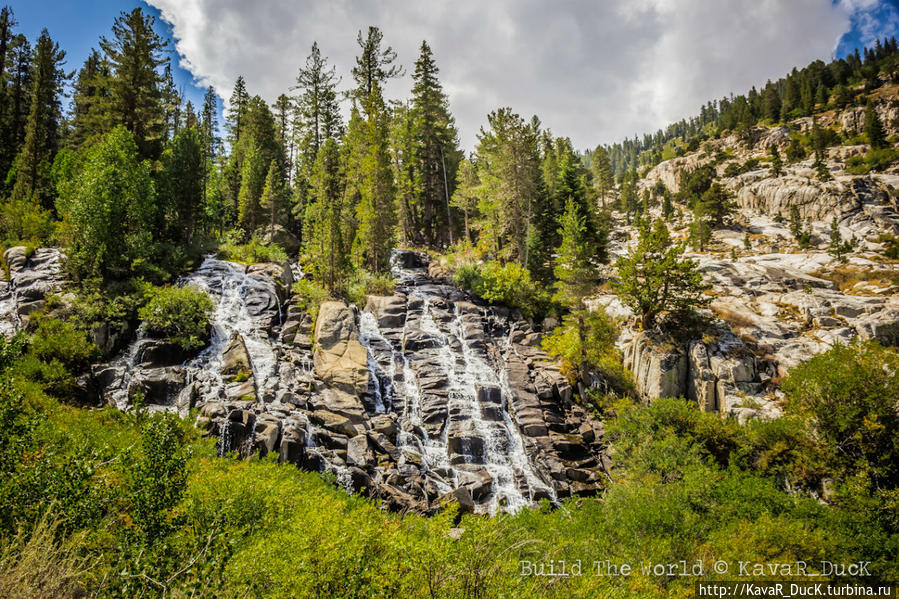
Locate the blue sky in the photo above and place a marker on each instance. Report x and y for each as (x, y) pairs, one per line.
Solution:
(78, 26)
(598, 71)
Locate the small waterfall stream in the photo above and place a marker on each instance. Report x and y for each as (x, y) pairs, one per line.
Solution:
(230, 286)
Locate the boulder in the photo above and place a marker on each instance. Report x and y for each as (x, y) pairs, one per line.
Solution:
(159, 386)
(280, 236)
(339, 359)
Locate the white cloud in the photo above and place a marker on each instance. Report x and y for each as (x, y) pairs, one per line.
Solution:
(595, 71)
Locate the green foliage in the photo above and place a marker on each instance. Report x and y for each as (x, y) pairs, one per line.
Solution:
(777, 168)
(508, 284)
(875, 160)
(252, 252)
(654, 277)
(850, 392)
(364, 283)
(838, 248)
(110, 208)
(310, 296)
(156, 476)
(585, 342)
(874, 130)
(180, 314)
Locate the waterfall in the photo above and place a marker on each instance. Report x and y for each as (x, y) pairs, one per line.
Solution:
(230, 286)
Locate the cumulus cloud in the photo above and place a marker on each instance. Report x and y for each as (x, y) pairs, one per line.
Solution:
(594, 71)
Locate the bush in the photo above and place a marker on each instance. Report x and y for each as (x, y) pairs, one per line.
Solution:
(252, 252)
(364, 283)
(597, 350)
(180, 314)
(508, 284)
(851, 392)
(874, 160)
(309, 296)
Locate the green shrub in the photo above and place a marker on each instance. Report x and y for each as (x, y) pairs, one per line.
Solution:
(364, 283)
(596, 350)
(875, 160)
(157, 475)
(252, 252)
(851, 392)
(180, 314)
(309, 295)
(508, 284)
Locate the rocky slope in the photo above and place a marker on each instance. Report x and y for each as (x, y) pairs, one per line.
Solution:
(774, 304)
(424, 397)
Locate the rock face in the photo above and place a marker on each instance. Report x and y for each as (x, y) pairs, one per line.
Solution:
(31, 279)
(280, 236)
(340, 360)
(424, 397)
(717, 371)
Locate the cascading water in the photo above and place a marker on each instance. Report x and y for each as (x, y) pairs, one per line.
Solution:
(229, 286)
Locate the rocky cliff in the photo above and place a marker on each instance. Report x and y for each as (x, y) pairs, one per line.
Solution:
(424, 397)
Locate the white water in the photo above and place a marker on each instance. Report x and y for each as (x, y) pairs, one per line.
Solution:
(229, 285)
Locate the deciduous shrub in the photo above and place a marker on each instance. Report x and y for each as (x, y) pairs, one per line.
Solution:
(180, 314)
(508, 284)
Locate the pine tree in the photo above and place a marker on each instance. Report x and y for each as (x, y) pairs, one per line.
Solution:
(181, 193)
(208, 134)
(509, 169)
(253, 168)
(323, 239)
(874, 127)
(135, 54)
(655, 278)
(237, 107)
(575, 276)
(772, 102)
(777, 165)
(838, 249)
(436, 154)
(467, 194)
(795, 222)
(171, 102)
(317, 103)
(33, 181)
(16, 103)
(374, 66)
(376, 212)
(602, 173)
(90, 98)
(272, 200)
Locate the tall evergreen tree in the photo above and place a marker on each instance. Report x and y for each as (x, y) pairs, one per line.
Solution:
(467, 194)
(253, 168)
(509, 168)
(89, 100)
(135, 53)
(237, 107)
(33, 181)
(272, 200)
(323, 239)
(182, 196)
(874, 127)
(376, 212)
(602, 173)
(373, 65)
(317, 103)
(17, 102)
(435, 149)
(575, 275)
(777, 165)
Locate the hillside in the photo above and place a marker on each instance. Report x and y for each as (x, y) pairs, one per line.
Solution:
(298, 355)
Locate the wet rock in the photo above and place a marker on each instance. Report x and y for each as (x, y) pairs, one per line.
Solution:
(159, 386)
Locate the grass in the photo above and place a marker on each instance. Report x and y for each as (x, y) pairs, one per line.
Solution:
(846, 277)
